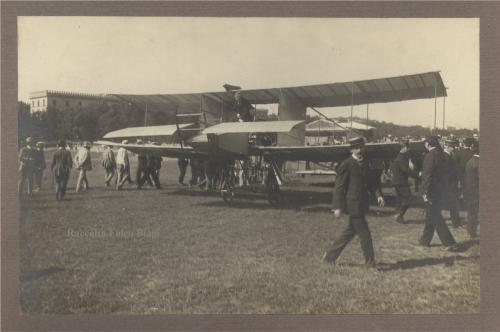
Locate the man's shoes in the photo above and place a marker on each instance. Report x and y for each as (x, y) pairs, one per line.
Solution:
(453, 248)
(420, 243)
(327, 259)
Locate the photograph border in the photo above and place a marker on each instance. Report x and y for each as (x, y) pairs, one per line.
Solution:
(487, 12)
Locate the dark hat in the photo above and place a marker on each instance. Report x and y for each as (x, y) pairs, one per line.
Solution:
(451, 142)
(432, 140)
(356, 142)
(475, 147)
(230, 87)
(61, 143)
(469, 141)
(405, 143)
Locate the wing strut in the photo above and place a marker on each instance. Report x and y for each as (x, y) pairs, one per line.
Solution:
(349, 129)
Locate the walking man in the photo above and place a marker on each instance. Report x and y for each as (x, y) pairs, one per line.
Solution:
(353, 186)
(432, 191)
(39, 165)
(183, 164)
(471, 192)
(109, 164)
(122, 167)
(61, 168)
(452, 193)
(26, 164)
(83, 164)
(400, 172)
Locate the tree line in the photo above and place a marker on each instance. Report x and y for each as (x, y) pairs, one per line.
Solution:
(93, 122)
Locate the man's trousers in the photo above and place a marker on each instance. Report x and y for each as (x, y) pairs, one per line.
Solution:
(434, 222)
(355, 225)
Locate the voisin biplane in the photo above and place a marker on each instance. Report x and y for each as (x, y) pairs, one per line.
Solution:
(208, 126)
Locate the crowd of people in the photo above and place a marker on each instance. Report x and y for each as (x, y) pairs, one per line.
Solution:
(447, 176)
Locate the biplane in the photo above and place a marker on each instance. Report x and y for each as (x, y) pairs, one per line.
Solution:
(207, 126)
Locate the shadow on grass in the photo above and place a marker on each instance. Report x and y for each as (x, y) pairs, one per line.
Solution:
(36, 274)
(430, 261)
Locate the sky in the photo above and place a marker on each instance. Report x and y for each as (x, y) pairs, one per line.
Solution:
(133, 55)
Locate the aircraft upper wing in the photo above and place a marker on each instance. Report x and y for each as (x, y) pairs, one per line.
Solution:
(333, 152)
(164, 150)
(381, 90)
(167, 130)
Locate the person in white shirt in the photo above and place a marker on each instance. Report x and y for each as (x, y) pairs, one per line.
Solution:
(122, 166)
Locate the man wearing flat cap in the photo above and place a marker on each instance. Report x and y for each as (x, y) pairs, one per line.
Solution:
(432, 190)
(61, 167)
(401, 170)
(353, 185)
(26, 160)
(451, 196)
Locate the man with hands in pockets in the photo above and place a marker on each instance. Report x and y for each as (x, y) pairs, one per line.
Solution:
(353, 186)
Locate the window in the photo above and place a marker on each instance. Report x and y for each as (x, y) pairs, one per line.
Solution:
(38, 102)
(44, 102)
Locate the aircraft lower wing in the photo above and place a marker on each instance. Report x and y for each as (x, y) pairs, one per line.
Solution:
(149, 131)
(163, 150)
(333, 152)
(317, 172)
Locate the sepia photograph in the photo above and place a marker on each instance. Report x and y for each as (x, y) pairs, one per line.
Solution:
(248, 165)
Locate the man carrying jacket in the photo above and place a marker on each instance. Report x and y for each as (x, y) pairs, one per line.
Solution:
(353, 186)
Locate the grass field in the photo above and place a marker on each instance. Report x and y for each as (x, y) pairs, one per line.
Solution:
(180, 250)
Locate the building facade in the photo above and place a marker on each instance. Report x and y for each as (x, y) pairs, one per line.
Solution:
(42, 100)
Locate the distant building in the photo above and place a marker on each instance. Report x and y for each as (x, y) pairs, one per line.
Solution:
(60, 100)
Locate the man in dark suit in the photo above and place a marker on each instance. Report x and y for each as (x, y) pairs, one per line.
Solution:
(61, 166)
(432, 190)
(400, 168)
(452, 194)
(183, 164)
(353, 185)
(141, 173)
(462, 156)
(471, 192)
(26, 165)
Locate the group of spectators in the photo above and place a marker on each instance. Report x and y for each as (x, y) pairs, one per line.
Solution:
(32, 166)
(446, 175)
(457, 172)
